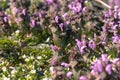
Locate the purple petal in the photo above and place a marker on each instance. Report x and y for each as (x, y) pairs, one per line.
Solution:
(56, 19)
(116, 60)
(92, 44)
(105, 58)
(24, 11)
(64, 15)
(83, 78)
(108, 69)
(5, 19)
(65, 64)
(99, 65)
(69, 74)
(53, 47)
(32, 23)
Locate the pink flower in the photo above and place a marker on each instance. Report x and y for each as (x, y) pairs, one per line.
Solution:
(65, 64)
(61, 26)
(53, 47)
(32, 23)
(24, 11)
(64, 15)
(81, 45)
(15, 9)
(49, 1)
(92, 44)
(108, 69)
(116, 60)
(83, 78)
(5, 19)
(69, 74)
(115, 39)
(105, 58)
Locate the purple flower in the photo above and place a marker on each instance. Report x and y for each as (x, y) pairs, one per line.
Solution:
(67, 23)
(61, 26)
(65, 64)
(40, 14)
(32, 23)
(81, 45)
(114, 2)
(69, 74)
(64, 15)
(56, 19)
(115, 15)
(15, 9)
(49, 1)
(94, 72)
(105, 58)
(18, 20)
(75, 7)
(115, 39)
(24, 11)
(83, 78)
(5, 19)
(53, 47)
(92, 44)
(104, 28)
(116, 60)
(99, 65)
(108, 69)
(84, 10)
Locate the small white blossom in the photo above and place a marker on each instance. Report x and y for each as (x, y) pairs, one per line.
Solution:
(4, 69)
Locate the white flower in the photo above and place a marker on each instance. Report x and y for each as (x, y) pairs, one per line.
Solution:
(33, 71)
(5, 78)
(17, 31)
(24, 56)
(4, 69)
(46, 79)
(39, 57)
(27, 59)
(13, 71)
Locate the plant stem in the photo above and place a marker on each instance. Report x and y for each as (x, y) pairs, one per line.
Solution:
(103, 3)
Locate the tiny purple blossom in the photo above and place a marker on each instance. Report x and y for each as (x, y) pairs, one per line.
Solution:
(104, 28)
(67, 23)
(32, 23)
(69, 74)
(84, 10)
(49, 1)
(5, 19)
(115, 39)
(75, 7)
(61, 26)
(99, 65)
(81, 45)
(105, 58)
(65, 64)
(92, 44)
(40, 14)
(64, 15)
(15, 9)
(53, 47)
(116, 60)
(83, 78)
(24, 11)
(56, 19)
(17, 20)
(108, 69)
(94, 72)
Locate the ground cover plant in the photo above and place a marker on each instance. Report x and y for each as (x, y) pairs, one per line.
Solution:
(60, 40)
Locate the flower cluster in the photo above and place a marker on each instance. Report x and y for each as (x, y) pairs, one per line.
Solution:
(60, 39)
